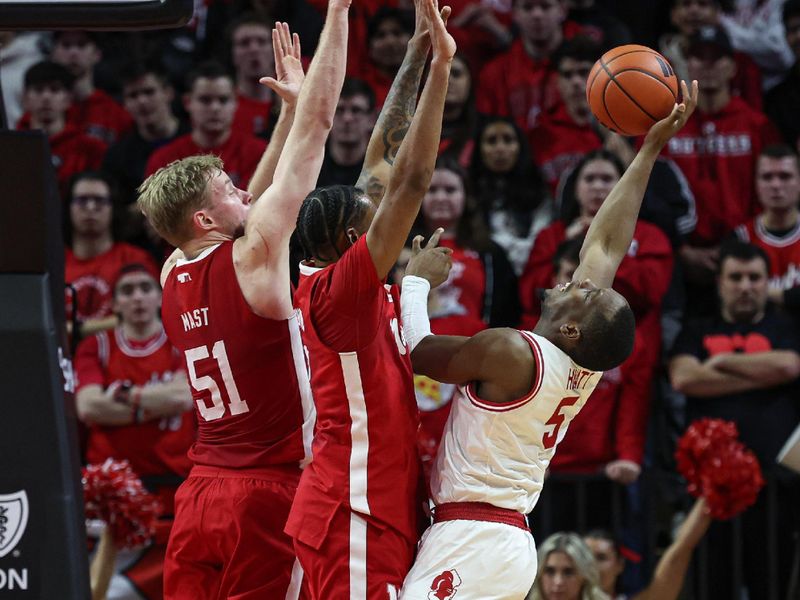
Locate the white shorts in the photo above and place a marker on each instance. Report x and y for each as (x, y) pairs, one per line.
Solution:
(472, 560)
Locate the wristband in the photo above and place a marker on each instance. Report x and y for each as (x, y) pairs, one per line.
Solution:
(414, 309)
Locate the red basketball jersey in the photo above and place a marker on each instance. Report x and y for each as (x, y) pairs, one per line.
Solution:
(365, 439)
(783, 251)
(155, 447)
(248, 374)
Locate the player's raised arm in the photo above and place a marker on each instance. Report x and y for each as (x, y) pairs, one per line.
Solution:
(416, 158)
(611, 231)
(397, 112)
(272, 217)
(288, 80)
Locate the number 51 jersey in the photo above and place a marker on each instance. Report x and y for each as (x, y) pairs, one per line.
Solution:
(248, 374)
(499, 453)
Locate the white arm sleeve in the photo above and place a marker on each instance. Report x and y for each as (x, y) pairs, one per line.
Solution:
(414, 309)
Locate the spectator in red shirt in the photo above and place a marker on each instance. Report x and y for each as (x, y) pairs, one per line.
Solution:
(133, 395)
(47, 97)
(388, 32)
(93, 111)
(567, 132)
(211, 104)
(251, 54)
(777, 229)
(510, 190)
(92, 258)
(688, 16)
(717, 151)
(521, 83)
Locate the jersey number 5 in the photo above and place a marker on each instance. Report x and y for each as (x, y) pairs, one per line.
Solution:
(557, 420)
(217, 411)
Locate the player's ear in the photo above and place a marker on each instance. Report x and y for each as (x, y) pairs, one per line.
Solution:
(202, 219)
(570, 330)
(352, 235)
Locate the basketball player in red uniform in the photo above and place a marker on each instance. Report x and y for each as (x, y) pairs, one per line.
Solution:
(521, 390)
(227, 306)
(134, 396)
(354, 520)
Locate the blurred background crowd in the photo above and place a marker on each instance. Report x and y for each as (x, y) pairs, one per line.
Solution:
(713, 273)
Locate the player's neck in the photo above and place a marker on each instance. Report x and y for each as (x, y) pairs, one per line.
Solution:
(205, 139)
(713, 101)
(85, 247)
(141, 331)
(83, 87)
(251, 88)
(780, 220)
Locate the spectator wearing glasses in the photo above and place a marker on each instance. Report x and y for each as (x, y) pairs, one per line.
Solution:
(92, 257)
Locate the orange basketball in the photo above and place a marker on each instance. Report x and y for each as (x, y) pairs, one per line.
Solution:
(630, 88)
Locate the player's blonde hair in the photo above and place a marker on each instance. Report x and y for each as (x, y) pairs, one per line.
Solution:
(573, 546)
(170, 195)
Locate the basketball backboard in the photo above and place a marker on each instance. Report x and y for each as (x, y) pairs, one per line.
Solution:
(101, 15)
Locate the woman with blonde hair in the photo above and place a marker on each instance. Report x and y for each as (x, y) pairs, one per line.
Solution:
(567, 570)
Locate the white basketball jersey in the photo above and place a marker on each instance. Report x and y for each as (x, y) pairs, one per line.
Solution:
(498, 453)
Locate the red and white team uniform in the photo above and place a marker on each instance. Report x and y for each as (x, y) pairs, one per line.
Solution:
(783, 251)
(155, 449)
(354, 520)
(488, 475)
(255, 418)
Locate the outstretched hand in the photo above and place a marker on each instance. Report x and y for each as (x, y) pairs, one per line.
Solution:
(444, 46)
(431, 262)
(665, 129)
(289, 73)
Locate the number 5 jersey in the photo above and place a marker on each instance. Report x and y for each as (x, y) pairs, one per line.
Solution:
(499, 453)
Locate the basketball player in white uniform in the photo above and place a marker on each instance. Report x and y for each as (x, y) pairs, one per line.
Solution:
(520, 390)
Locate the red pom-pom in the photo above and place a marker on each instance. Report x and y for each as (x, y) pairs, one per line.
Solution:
(718, 467)
(113, 493)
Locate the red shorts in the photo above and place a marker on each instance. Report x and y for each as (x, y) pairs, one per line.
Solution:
(358, 560)
(228, 541)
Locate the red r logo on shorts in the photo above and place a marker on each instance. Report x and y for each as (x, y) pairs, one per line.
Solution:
(444, 586)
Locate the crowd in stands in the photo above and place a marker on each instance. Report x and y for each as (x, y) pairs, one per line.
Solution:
(713, 273)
